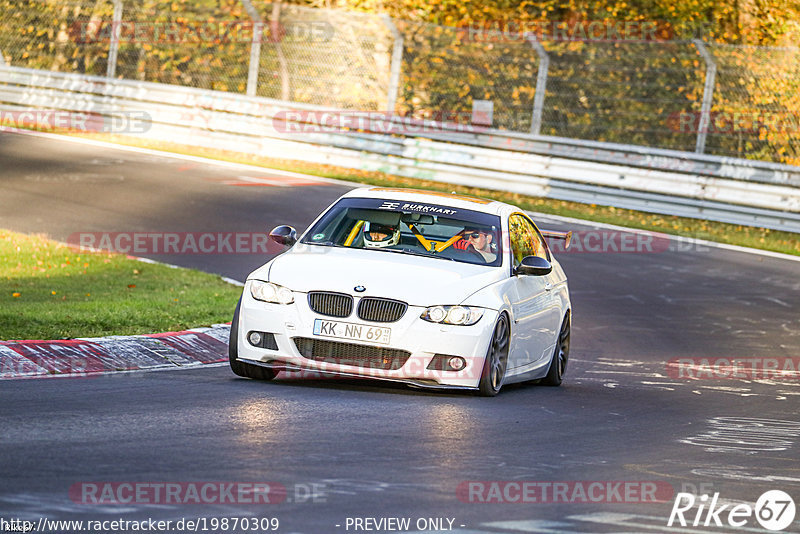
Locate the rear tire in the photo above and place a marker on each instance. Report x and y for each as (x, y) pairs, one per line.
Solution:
(496, 361)
(558, 364)
(246, 370)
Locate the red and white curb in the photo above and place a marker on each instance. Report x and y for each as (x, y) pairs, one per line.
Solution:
(85, 357)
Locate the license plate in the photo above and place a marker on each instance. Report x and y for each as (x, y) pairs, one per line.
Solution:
(358, 332)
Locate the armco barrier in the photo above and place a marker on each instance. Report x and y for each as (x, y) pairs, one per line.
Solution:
(681, 183)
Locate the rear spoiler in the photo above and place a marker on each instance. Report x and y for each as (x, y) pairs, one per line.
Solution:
(566, 236)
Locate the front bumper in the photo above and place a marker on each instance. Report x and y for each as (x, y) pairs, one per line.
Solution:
(422, 340)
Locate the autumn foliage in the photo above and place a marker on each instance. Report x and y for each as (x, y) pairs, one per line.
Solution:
(619, 71)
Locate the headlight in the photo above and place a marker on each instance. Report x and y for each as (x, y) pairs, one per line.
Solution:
(460, 315)
(268, 292)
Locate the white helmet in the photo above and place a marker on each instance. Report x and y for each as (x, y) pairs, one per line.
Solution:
(391, 235)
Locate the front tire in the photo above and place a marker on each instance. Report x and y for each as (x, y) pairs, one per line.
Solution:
(246, 370)
(496, 361)
(558, 364)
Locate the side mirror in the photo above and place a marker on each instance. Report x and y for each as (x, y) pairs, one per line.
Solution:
(284, 235)
(534, 266)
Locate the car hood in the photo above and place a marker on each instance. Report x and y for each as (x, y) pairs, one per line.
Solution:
(416, 280)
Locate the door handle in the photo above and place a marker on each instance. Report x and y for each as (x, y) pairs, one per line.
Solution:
(548, 286)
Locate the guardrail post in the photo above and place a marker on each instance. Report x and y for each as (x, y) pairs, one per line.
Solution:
(113, 49)
(541, 84)
(708, 93)
(255, 48)
(397, 62)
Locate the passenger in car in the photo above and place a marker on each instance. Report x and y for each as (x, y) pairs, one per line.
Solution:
(480, 240)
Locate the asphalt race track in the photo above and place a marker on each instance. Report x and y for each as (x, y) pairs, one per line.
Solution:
(347, 450)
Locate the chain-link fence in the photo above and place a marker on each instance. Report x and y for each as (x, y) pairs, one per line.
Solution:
(758, 91)
(444, 71)
(622, 92)
(42, 35)
(727, 100)
(203, 44)
(326, 57)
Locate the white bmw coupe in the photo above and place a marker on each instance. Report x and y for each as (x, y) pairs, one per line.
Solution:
(430, 289)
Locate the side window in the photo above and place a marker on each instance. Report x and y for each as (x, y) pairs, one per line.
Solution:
(525, 240)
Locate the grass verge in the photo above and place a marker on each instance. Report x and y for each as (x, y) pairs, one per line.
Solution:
(51, 291)
(746, 236)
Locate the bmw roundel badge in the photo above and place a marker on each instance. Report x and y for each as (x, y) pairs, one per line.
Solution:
(360, 289)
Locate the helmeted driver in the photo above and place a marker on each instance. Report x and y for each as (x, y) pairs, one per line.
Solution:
(380, 235)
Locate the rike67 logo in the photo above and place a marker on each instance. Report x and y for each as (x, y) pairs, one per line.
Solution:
(774, 510)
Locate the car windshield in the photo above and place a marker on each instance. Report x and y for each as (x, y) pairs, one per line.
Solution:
(431, 230)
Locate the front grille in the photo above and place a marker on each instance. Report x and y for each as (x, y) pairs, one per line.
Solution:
(351, 354)
(331, 304)
(381, 310)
